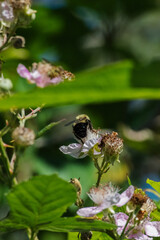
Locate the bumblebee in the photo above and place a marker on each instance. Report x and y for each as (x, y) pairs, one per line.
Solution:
(82, 127)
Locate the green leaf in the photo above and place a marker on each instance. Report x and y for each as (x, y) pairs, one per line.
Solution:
(76, 225)
(129, 180)
(8, 225)
(63, 224)
(40, 200)
(156, 215)
(154, 184)
(114, 82)
(101, 236)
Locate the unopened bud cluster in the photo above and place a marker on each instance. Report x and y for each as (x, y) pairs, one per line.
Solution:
(16, 11)
(23, 136)
(20, 4)
(111, 144)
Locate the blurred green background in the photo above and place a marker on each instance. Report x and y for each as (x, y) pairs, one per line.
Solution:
(85, 34)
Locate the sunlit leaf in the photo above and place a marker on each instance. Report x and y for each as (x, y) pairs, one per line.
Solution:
(156, 215)
(40, 200)
(154, 184)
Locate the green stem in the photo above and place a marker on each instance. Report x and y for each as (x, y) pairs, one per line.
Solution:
(32, 235)
(4, 131)
(123, 232)
(47, 128)
(5, 161)
(101, 170)
(18, 153)
(100, 173)
(9, 36)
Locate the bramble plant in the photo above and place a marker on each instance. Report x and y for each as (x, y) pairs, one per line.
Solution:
(40, 202)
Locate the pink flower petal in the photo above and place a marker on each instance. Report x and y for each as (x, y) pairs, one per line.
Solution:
(23, 72)
(120, 221)
(73, 150)
(56, 80)
(125, 196)
(42, 81)
(89, 211)
(152, 229)
(139, 236)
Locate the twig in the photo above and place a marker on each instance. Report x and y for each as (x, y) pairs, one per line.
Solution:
(47, 128)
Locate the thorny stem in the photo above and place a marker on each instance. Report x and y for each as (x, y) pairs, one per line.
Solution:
(4, 130)
(14, 162)
(22, 118)
(47, 128)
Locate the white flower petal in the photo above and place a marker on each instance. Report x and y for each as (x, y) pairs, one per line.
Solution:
(111, 199)
(152, 229)
(73, 150)
(89, 211)
(125, 196)
(89, 144)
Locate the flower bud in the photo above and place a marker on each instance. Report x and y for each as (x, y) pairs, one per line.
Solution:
(20, 4)
(6, 12)
(18, 41)
(111, 146)
(26, 16)
(5, 83)
(23, 136)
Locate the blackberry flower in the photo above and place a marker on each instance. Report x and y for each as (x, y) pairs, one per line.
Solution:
(43, 74)
(105, 197)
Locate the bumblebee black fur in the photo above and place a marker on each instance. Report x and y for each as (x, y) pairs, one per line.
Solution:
(80, 126)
